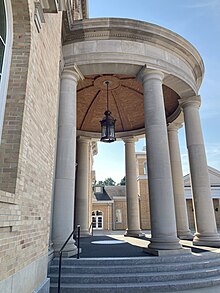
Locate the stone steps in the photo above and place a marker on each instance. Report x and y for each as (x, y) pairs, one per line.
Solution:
(173, 286)
(112, 269)
(141, 274)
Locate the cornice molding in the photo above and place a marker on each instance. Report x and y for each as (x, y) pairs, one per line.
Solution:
(139, 31)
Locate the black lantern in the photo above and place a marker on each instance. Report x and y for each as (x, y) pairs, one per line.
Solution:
(107, 123)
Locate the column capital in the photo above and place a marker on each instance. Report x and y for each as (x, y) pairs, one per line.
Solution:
(146, 74)
(130, 139)
(84, 139)
(194, 101)
(174, 126)
(72, 73)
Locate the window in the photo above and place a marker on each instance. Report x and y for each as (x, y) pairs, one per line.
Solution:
(2, 34)
(118, 216)
(145, 168)
(97, 219)
(98, 189)
(5, 53)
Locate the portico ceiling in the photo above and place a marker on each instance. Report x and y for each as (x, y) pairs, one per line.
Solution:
(126, 102)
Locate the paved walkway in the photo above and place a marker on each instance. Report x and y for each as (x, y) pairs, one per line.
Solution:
(105, 246)
(99, 246)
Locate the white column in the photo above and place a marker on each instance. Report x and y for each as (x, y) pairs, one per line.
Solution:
(162, 211)
(206, 230)
(133, 213)
(182, 223)
(65, 164)
(82, 185)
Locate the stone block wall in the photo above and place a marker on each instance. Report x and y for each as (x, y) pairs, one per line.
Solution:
(27, 151)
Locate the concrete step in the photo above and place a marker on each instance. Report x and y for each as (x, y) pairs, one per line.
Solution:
(158, 267)
(171, 286)
(141, 274)
(137, 260)
(135, 278)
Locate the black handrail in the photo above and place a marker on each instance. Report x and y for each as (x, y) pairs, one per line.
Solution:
(91, 226)
(62, 248)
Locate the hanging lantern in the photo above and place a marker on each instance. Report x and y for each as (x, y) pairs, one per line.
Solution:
(107, 123)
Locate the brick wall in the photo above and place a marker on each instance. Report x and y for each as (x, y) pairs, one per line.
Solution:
(122, 206)
(27, 151)
(191, 215)
(144, 204)
(106, 209)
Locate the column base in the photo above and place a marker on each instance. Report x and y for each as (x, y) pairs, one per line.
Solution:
(185, 235)
(165, 252)
(212, 240)
(85, 233)
(165, 243)
(133, 233)
(70, 249)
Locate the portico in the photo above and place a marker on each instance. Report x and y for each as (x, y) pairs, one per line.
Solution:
(150, 83)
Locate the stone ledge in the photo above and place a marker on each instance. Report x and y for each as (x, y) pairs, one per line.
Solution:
(44, 287)
(172, 252)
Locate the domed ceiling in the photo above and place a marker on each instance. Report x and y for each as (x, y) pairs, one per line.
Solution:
(126, 102)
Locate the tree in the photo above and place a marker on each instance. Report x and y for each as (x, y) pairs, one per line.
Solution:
(100, 182)
(109, 182)
(123, 181)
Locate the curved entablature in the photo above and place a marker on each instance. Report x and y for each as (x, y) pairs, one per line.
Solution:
(117, 50)
(138, 31)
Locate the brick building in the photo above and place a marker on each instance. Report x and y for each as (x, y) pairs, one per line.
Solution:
(109, 202)
(55, 64)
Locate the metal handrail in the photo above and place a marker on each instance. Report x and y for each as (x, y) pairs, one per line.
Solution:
(91, 226)
(62, 248)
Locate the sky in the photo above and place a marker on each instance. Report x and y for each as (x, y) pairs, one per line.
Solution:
(198, 21)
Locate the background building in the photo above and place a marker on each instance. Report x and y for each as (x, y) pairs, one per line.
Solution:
(110, 201)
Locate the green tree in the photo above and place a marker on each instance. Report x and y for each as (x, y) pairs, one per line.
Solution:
(123, 181)
(100, 182)
(109, 181)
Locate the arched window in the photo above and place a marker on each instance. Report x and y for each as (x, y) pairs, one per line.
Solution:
(5, 53)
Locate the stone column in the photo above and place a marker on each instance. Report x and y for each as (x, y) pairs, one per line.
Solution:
(162, 211)
(133, 213)
(65, 164)
(205, 223)
(182, 223)
(82, 185)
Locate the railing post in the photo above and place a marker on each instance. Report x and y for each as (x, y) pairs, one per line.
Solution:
(59, 278)
(61, 252)
(78, 241)
(91, 228)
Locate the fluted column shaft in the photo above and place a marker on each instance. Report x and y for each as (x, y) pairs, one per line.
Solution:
(133, 213)
(82, 185)
(182, 223)
(65, 163)
(163, 222)
(205, 223)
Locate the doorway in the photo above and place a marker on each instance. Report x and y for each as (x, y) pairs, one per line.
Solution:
(97, 220)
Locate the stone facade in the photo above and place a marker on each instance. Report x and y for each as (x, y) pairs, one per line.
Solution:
(27, 151)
